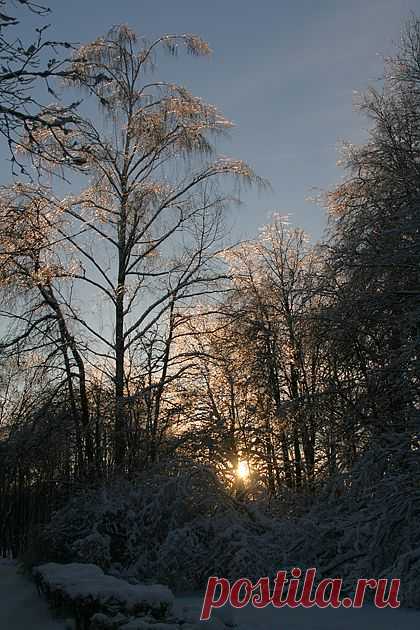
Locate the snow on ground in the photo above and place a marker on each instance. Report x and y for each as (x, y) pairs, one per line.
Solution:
(22, 609)
(367, 618)
(20, 606)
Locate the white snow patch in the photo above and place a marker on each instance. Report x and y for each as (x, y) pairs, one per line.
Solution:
(20, 606)
(80, 581)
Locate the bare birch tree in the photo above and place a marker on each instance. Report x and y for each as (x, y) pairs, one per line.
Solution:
(145, 234)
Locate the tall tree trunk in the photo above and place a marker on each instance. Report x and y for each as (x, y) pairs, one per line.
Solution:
(120, 442)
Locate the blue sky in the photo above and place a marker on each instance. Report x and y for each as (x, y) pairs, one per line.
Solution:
(284, 71)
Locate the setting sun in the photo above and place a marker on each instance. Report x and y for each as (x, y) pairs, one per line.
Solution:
(243, 470)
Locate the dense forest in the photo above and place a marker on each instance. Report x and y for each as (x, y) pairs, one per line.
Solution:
(173, 404)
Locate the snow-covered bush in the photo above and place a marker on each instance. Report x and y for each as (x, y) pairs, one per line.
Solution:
(175, 527)
(365, 524)
(93, 549)
(181, 526)
(84, 591)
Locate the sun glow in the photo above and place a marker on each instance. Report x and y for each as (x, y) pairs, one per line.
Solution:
(243, 470)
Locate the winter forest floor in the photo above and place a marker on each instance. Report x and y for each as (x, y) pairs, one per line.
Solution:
(367, 618)
(22, 609)
(20, 606)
